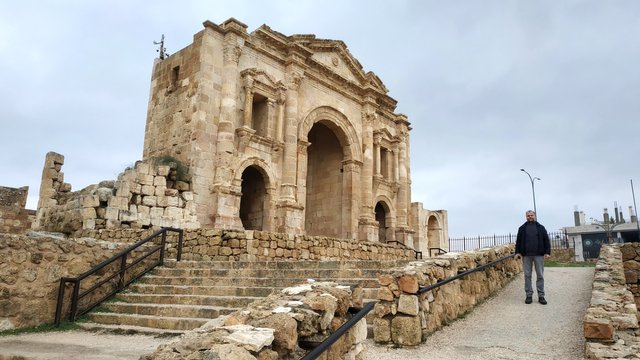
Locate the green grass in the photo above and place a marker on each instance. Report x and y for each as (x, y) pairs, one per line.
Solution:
(554, 263)
(65, 326)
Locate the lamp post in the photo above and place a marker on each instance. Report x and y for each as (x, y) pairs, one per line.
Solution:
(533, 190)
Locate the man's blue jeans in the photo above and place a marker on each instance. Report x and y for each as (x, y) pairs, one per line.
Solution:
(528, 262)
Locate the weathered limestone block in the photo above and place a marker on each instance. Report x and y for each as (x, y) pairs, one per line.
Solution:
(406, 330)
(598, 329)
(408, 304)
(150, 201)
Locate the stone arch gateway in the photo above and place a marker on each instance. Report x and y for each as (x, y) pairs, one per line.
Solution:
(294, 121)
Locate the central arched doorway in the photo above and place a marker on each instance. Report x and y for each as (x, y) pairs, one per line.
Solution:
(324, 183)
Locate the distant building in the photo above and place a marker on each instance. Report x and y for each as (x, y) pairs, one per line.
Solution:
(589, 237)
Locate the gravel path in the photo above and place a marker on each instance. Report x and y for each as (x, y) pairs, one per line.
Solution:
(504, 327)
(79, 345)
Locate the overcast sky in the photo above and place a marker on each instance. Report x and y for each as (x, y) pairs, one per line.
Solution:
(489, 87)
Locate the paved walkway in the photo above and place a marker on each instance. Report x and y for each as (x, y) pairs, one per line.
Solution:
(503, 327)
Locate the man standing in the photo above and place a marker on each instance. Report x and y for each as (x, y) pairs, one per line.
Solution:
(533, 246)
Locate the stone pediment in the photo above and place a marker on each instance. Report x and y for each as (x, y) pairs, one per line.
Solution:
(327, 55)
(334, 56)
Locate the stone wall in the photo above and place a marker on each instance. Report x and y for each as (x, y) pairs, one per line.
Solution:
(14, 218)
(404, 318)
(611, 322)
(250, 245)
(150, 194)
(31, 270)
(29, 280)
(271, 328)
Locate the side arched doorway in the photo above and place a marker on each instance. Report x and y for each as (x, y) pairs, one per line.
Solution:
(253, 200)
(434, 231)
(381, 218)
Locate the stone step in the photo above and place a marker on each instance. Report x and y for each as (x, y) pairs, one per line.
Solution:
(328, 264)
(222, 301)
(148, 321)
(129, 329)
(171, 310)
(251, 281)
(211, 290)
(264, 273)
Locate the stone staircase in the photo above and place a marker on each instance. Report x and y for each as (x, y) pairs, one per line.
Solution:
(181, 296)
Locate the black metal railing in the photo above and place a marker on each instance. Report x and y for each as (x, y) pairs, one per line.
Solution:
(114, 274)
(416, 253)
(326, 344)
(423, 290)
(439, 251)
(559, 240)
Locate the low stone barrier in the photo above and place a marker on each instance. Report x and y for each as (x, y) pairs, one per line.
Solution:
(251, 245)
(271, 328)
(30, 276)
(404, 318)
(611, 322)
(31, 269)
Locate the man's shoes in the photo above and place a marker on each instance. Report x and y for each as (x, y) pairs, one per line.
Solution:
(528, 300)
(542, 300)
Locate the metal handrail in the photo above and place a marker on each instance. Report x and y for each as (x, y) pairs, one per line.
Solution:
(416, 253)
(423, 290)
(440, 251)
(120, 274)
(315, 353)
(326, 344)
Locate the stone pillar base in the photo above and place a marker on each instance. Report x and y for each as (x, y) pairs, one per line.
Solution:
(226, 213)
(290, 218)
(405, 236)
(368, 230)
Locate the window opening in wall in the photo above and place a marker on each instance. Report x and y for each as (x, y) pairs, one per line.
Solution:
(384, 162)
(260, 114)
(173, 81)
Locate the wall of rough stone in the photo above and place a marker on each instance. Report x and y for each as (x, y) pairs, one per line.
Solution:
(611, 328)
(31, 270)
(271, 328)
(149, 194)
(404, 318)
(14, 218)
(29, 280)
(250, 245)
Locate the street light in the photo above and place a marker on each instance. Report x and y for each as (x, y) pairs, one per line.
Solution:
(533, 190)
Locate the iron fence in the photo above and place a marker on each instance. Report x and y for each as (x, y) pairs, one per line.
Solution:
(559, 240)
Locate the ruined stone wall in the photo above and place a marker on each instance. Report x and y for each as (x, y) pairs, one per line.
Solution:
(273, 327)
(611, 328)
(430, 227)
(155, 193)
(249, 245)
(31, 270)
(404, 318)
(14, 218)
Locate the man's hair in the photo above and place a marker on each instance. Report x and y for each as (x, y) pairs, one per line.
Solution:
(530, 211)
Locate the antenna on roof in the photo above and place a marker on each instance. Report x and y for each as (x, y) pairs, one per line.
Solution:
(161, 51)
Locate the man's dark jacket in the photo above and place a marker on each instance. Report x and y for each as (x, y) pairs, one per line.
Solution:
(544, 244)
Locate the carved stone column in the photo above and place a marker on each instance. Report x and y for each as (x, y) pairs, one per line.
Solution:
(367, 225)
(290, 218)
(403, 232)
(248, 102)
(226, 198)
(351, 190)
